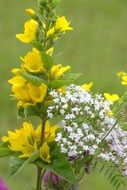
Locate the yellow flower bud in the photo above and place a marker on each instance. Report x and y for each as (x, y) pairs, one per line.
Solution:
(30, 12)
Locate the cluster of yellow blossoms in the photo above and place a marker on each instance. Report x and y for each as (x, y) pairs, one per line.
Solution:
(33, 63)
(26, 140)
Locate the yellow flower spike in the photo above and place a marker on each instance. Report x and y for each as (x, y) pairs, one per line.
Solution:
(37, 93)
(32, 62)
(30, 31)
(124, 80)
(44, 153)
(50, 132)
(113, 97)
(87, 87)
(62, 24)
(30, 12)
(50, 51)
(59, 70)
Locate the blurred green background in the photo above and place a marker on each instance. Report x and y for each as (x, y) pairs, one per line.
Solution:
(97, 47)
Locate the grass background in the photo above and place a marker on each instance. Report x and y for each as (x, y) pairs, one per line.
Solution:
(97, 47)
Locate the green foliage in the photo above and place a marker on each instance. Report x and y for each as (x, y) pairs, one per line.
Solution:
(47, 60)
(30, 111)
(111, 172)
(15, 164)
(33, 79)
(65, 80)
(4, 150)
(59, 165)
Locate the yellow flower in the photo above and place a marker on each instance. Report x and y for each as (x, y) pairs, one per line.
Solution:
(26, 92)
(44, 152)
(32, 62)
(37, 93)
(113, 97)
(58, 70)
(121, 74)
(16, 71)
(22, 140)
(60, 26)
(50, 132)
(110, 113)
(87, 87)
(124, 80)
(26, 140)
(30, 12)
(17, 81)
(30, 31)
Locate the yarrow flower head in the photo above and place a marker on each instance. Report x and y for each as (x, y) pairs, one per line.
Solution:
(85, 124)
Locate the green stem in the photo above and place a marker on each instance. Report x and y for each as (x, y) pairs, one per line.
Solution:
(43, 130)
(39, 170)
(39, 178)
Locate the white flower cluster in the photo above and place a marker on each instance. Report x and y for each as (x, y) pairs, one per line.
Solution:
(85, 123)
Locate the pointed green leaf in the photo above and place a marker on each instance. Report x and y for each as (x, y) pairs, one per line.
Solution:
(5, 152)
(48, 61)
(65, 80)
(32, 111)
(15, 165)
(60, 166)
(33, 79)
(34, 157)
(21, 113)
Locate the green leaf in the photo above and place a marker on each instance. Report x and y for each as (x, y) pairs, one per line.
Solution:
(66, 80)
(15, 165)
(33, 79)
(5, 152)
(48, 61)
(29, 111)
(60, 166)
(21, 113)
(34, 157)
(32, 111)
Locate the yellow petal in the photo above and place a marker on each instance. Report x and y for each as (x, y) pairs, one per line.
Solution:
(59, 70)
(62, 24)
(44, 152)
(113, 97)
(87, 87)
(37, 93)
(32, 62)
(30, 30)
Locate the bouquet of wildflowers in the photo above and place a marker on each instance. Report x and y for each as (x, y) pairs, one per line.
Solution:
(78, 130)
